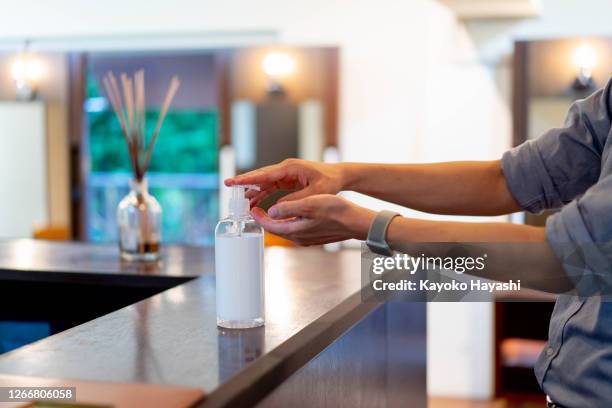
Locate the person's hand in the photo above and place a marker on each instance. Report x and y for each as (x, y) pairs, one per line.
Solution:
(314, 220)
(308, 178)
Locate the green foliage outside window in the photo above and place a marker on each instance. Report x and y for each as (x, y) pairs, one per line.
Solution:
(187, 143)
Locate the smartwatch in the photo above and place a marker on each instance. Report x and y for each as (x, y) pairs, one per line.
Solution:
(377, 241)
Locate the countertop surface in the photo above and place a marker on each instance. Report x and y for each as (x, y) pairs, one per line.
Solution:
(69, 261)
(312, 297)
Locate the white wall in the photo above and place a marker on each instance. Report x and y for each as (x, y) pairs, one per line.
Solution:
(560, 18)
(23, 161)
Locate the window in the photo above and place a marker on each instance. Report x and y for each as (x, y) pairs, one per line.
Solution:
(183, 175)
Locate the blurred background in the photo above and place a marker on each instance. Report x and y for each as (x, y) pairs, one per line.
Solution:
(351, 80)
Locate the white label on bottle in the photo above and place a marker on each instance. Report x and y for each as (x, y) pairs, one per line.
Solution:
(239, 277)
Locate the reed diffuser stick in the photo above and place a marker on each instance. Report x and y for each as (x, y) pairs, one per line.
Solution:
(130, 109)
(140, 106)
(114, 104)
(129, 103)
(117, 94)
(113, 93)
(174, 85)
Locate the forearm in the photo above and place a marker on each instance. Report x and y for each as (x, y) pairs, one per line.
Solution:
(512, 251)
(403, 230)
(461, 188)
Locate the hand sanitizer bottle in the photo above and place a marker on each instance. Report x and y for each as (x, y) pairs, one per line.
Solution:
(239, 266)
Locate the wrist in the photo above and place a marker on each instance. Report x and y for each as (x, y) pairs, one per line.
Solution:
(357, 222)
(348, 177)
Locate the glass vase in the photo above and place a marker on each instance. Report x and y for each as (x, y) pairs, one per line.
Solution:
(139, 220)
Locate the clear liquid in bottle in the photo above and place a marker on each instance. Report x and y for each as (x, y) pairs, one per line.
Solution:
(239, 270)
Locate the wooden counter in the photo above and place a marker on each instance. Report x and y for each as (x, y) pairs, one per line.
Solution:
(321, 342)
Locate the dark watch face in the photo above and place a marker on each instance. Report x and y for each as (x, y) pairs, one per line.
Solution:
(380, 248)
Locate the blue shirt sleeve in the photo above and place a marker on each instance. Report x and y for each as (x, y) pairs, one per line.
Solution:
(580, 235)
(563, 167)
(563, 163)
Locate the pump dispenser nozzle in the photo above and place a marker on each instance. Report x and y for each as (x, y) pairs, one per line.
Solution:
(238, 203)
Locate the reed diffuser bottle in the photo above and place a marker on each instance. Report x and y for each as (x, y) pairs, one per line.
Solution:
(138, 214)
(139, 219)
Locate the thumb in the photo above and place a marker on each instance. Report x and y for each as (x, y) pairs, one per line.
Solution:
(289, 209)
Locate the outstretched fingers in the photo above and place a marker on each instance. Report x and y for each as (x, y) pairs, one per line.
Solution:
(282, 227)
(255, 197)
(265, 175)
(290, 209)
(298, 195)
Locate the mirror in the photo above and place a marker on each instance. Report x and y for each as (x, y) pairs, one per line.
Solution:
(549, 76)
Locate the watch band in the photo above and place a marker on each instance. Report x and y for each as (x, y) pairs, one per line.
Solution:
(377, 235)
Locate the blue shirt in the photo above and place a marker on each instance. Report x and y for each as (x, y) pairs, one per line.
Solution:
(571, 168)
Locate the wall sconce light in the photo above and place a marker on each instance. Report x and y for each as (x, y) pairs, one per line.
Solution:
(585, 59)
(277, 65)
(27, 70)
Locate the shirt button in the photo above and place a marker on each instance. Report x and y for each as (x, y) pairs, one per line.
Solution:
(550, 351)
